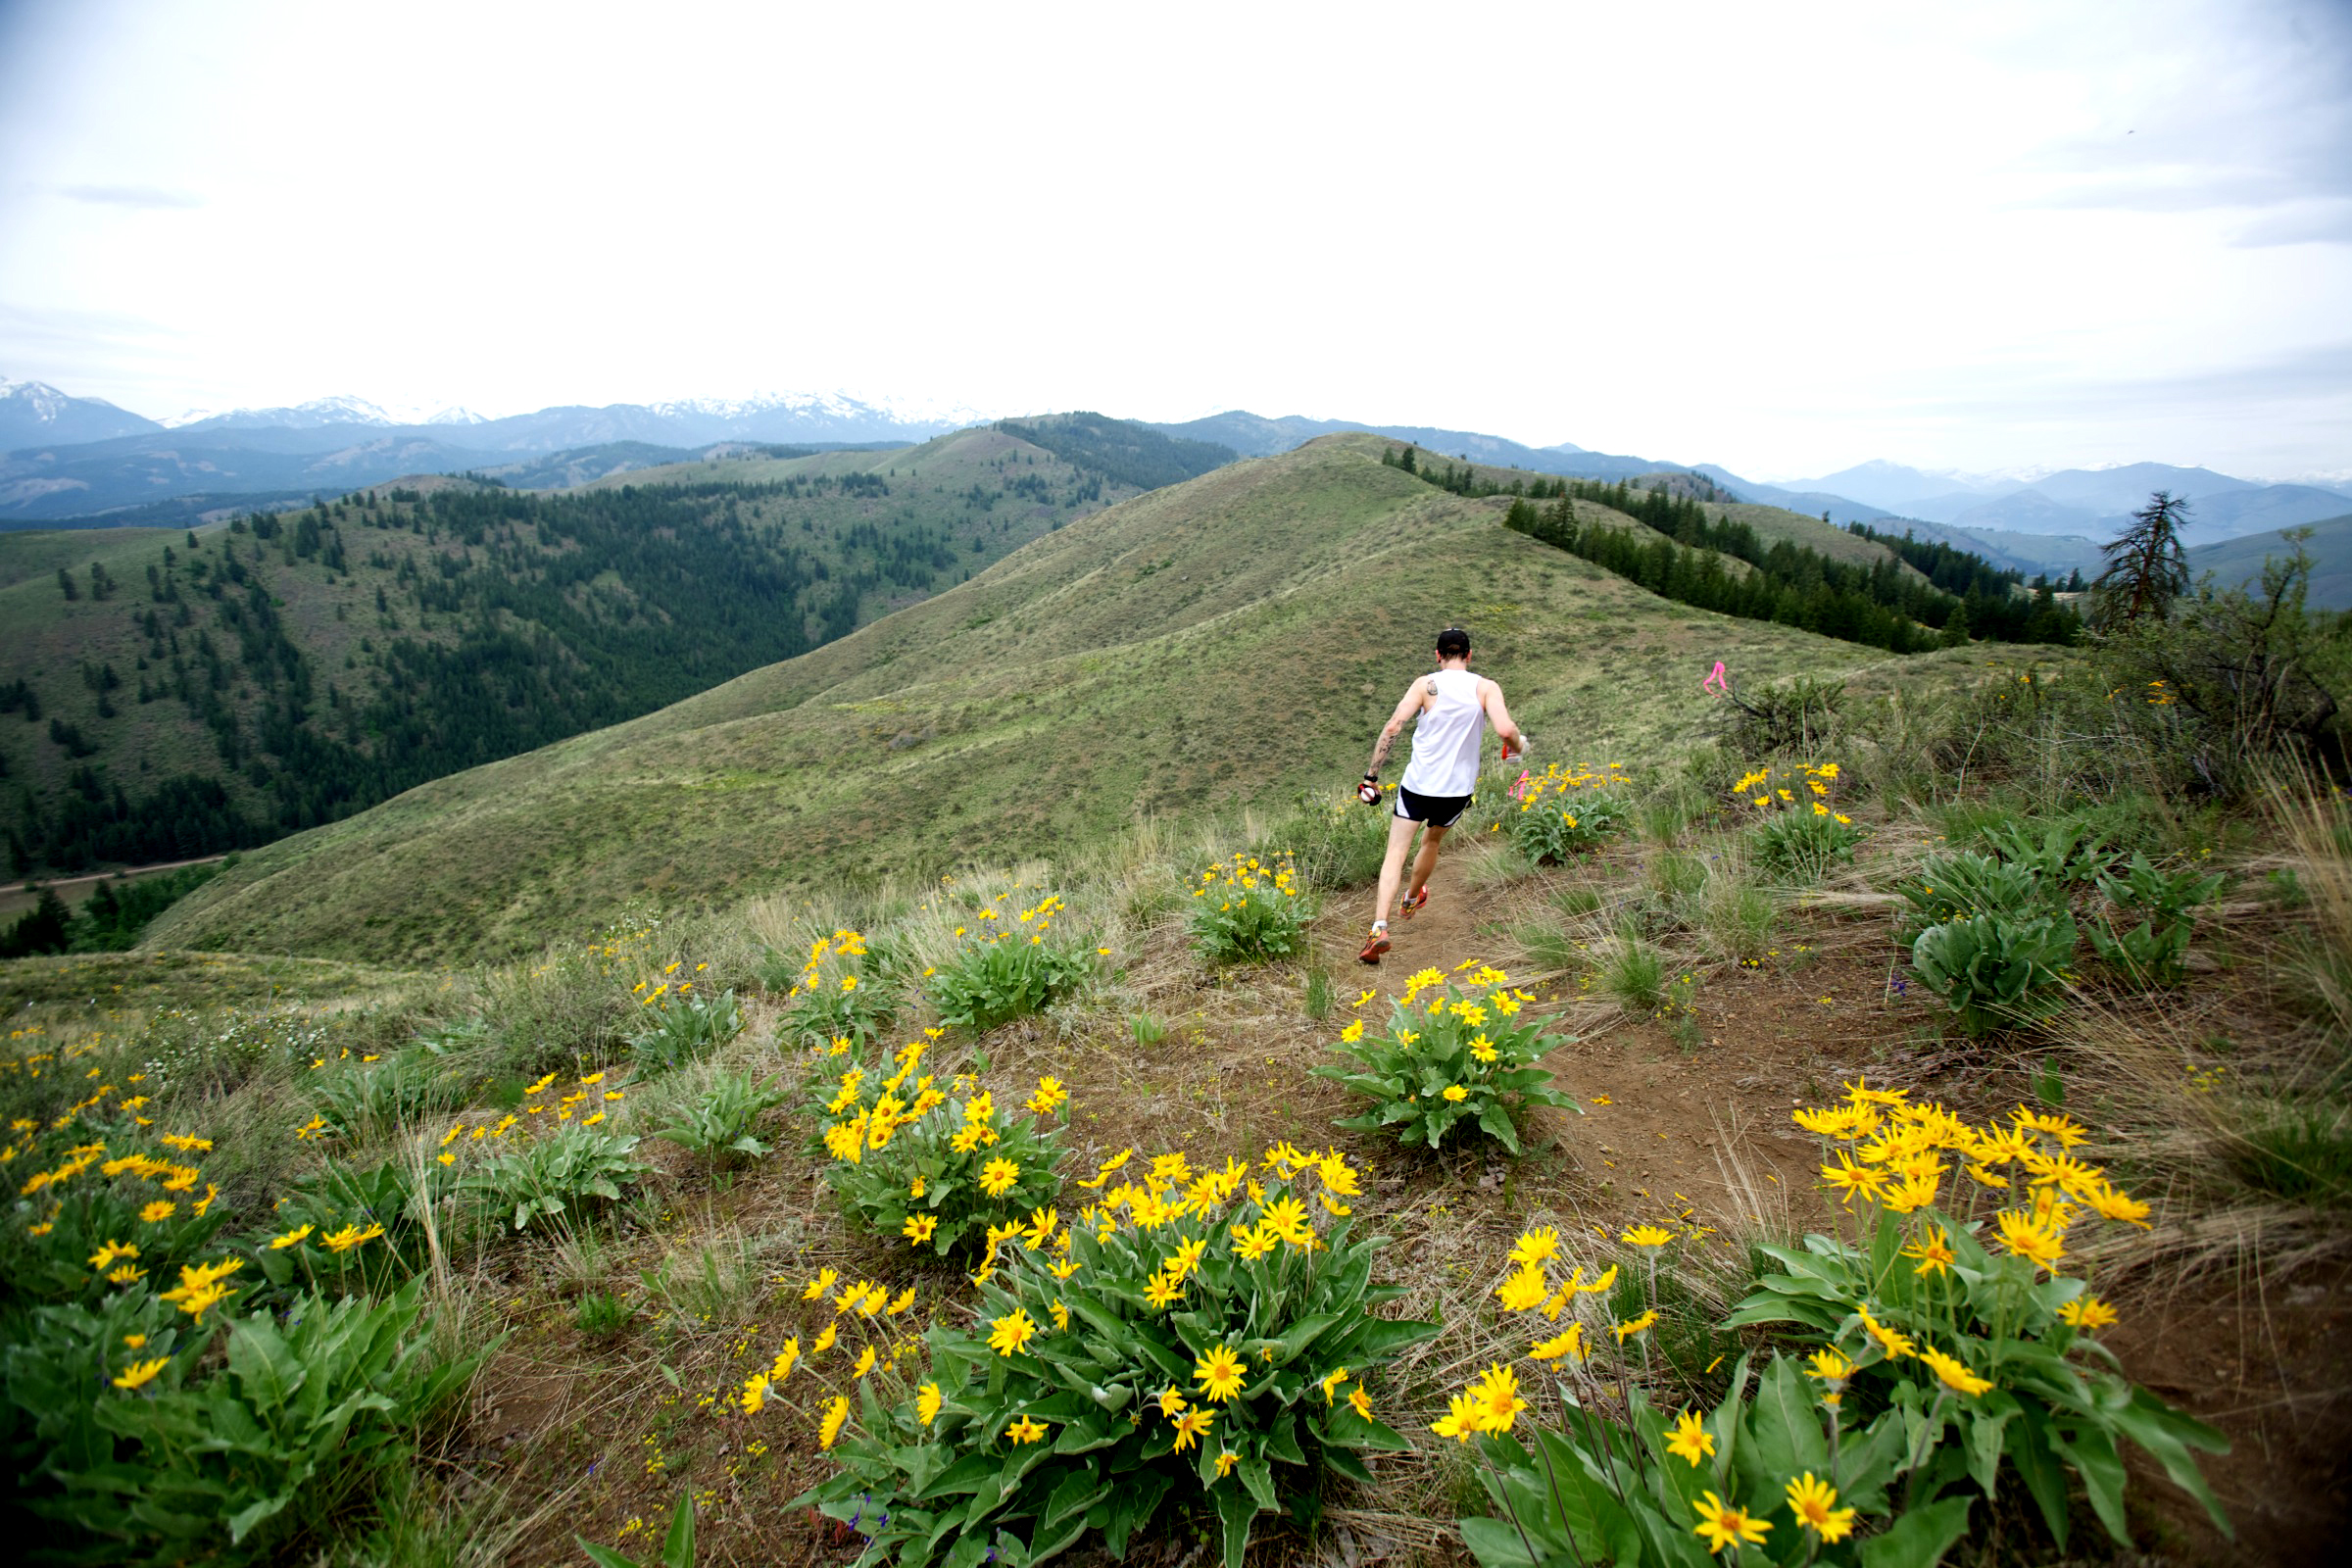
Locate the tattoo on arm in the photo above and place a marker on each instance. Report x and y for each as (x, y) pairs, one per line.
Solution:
(1380, 749)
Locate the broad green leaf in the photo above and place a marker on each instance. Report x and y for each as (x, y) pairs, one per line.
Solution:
(1920, 1537)
(677, 1549)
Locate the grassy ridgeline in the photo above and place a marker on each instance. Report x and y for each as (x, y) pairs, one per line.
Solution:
(1235, 639)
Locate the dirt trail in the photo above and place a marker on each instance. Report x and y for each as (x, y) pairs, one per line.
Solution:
(1693, 1138)
(62, 885)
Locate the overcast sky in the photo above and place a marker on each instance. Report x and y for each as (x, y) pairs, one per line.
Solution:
(1782, 238)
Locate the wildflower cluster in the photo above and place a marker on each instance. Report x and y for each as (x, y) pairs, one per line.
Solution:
(1964, 1321)
(1799, 829)
(876, 1318)
(1614, 1481)
(1248, 911)
(1208, 1324)
(837, 995)
(1616, 1470)
(1004, 971)
(1464, 1054)
(560, 1164)
(912, 1158)
(1565, 811)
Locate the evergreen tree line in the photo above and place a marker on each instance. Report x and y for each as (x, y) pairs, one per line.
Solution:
(527, 619)
(1879, 605)
(1121, 450)
(1955, 570)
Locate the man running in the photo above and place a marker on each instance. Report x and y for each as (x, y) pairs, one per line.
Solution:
(1454, 709)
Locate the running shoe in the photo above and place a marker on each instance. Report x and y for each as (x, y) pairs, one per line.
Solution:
(1404, 910)
(1374, 946)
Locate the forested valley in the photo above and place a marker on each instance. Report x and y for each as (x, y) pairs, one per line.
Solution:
(223, 689)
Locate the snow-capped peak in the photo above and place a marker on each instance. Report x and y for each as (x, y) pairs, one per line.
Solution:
(301, 417)
(452, 415)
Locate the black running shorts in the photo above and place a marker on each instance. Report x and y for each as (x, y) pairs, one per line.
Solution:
(1437, 810)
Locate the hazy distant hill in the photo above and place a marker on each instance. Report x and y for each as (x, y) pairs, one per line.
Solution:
(2234, 562)
(2088, 503)
(1812, 503)
(171, 693)
(2034, 553)
(1254, 435)
(73, 468)
(1235, 638)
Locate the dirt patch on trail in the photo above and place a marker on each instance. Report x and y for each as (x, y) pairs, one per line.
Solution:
(1698, 1135)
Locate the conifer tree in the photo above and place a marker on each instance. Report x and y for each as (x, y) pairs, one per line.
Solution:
(2146, 569)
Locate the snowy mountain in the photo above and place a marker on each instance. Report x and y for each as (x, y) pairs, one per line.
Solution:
(301, 417)
(34, 412)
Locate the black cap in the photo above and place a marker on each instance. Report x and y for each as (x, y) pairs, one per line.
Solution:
(1453, 643)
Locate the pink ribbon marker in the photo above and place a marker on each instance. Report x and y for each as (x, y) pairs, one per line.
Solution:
(1717, 682)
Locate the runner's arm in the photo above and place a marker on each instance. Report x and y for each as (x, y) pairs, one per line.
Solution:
(1412, 704)
(1501, 717)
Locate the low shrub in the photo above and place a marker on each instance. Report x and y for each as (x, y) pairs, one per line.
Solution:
(360, 1098)
(554, 1174)
(162, 1452)
(680, 1027)
(999, 975)
(1958, 887)
(914, 1161)
(2151, 952)
(1248, 910)
(1466, 1054)
(1193, 1330)
(1797, 718)
(1996, 970)
(723, 1120)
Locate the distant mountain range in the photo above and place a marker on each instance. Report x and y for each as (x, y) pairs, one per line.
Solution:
(2088, 502)
(81, 459)
(84, 460)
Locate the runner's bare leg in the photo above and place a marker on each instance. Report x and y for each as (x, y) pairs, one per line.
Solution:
(1391, 867)
(1426, 860)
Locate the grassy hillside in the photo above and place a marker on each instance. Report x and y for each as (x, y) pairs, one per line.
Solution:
(2236, 561)
(201, 692)
(548, 1178)
(1236, 638)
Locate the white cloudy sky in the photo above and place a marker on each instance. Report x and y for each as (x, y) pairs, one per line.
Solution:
(1784, 238)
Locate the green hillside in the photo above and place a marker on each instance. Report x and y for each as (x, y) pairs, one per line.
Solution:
(2238, 561)
(1236, 638)
(191, 693)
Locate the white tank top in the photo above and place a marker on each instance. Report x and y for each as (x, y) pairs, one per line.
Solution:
(1446, 737)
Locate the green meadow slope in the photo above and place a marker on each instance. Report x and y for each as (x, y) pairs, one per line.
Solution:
(1236, 638)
